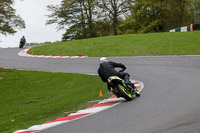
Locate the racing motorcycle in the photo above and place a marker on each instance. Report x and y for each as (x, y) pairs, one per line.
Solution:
(121, 89)
(21, 45)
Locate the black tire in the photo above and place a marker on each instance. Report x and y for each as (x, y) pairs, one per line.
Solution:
(125, 94)
(20, 45)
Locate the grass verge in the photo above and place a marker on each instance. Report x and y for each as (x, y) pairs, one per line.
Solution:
(28, 98)
(178, 43)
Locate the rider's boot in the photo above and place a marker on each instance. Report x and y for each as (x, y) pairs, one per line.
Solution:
(126, 79)
(128, 82)
(135, 90)
(132, 86)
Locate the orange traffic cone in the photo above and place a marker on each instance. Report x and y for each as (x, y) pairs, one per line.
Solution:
(100, 94)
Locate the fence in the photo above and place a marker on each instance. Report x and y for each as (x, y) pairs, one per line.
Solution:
(191, 27)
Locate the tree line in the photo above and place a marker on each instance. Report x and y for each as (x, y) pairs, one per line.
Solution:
(95, 18)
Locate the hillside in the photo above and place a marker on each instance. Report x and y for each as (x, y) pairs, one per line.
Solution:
(179, 43)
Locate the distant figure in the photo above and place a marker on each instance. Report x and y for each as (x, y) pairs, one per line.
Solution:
(22, 42)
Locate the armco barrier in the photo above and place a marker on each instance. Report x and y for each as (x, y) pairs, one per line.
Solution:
(196, 26)
(191, 27)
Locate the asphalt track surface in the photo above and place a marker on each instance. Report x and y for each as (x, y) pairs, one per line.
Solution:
(169, 102)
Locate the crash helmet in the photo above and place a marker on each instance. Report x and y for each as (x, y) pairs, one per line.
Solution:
(103, 59)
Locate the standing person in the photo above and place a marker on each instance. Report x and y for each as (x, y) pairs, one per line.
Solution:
(22, 42)
(107, 69)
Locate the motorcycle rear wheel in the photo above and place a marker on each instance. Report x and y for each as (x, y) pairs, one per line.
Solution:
(21, 45)
(124, 93)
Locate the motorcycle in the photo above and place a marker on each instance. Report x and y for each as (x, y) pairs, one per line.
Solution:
(121, 89)
(21, 45)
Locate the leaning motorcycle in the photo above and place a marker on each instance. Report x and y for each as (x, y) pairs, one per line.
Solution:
(121, 89)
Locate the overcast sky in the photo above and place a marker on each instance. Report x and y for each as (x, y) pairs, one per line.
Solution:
(33, 12)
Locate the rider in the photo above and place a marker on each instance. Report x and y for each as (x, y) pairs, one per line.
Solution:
(107, 69)
(22, 41)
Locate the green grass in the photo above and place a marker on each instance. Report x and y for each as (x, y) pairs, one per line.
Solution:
(179, 43)
(28, 98)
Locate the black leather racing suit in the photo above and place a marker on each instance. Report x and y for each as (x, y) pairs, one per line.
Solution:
(107, 69)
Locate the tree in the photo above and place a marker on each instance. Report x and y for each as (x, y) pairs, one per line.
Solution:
(93, 18)
(86, 18)
(195, 4)
(9, 21)
(115, 10)
(146, 17)
(76, 16)
(157, 16)
(177, 13)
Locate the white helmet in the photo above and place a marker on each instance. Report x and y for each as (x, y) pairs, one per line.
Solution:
(103, 59)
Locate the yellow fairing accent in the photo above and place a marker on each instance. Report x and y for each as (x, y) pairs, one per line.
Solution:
(124, 90)
(137, 92)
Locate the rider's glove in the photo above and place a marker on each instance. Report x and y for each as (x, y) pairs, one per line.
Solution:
(120, 70)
